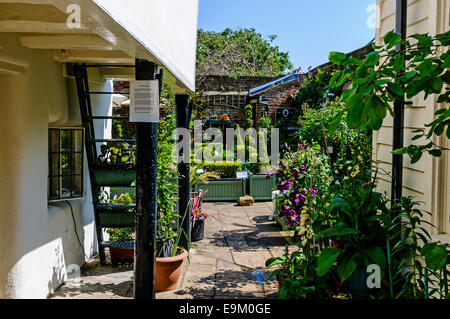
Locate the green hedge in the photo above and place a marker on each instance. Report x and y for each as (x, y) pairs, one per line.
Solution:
(224, 169)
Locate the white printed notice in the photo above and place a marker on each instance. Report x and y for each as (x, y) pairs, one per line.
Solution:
(144, 101)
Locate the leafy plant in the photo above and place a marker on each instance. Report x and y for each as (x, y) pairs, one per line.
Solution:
(287, 264)
(303, 177)
(388, 74)
(248, 117)
(200, 177)
(121, 234)
(357, 217)
(242, 52)
(224, 169)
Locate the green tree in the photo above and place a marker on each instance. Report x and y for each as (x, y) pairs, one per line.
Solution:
(239, 53)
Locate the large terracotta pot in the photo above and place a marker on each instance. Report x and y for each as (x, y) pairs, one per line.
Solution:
(168, 270)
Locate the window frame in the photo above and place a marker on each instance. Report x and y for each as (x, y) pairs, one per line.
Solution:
(72, 173)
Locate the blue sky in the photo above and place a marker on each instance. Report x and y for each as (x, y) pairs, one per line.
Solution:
(308, 29)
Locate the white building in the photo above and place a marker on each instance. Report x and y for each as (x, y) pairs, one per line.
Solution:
(37, 237)
(429, 179)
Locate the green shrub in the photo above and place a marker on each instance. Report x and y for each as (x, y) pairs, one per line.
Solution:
(224, 169)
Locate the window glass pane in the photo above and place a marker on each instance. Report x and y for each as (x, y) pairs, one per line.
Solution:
(53, 142)
(65, 164)
(66, 186)
(66, 140)
(54, 164)
(77, 163)
(77, 186)
(53, 187)
(78, 140)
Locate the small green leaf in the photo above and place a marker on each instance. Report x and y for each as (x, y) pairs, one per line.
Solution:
(273, 261)
(435, 153)
(436, 85)
(396, 89)
(439, 129)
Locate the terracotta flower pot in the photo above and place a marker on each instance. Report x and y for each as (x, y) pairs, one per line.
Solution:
(168, 270)
(280, 280)
(121, 254)
(337, 243)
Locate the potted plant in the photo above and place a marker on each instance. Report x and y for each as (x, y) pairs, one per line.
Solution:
(170, 255)
(198, 216)
(121, 234)
(287, 263)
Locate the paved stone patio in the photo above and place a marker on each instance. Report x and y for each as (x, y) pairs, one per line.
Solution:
(227, 263)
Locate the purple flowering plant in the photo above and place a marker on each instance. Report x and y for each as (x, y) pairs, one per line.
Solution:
(303, 179)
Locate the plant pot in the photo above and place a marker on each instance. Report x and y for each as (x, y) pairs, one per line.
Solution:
(168, 270)
(357, 284)
(121, 254)
(281, 280)
(337, 243)
(198, 231)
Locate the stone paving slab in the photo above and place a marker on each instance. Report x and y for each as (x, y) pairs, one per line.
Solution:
(227, 264)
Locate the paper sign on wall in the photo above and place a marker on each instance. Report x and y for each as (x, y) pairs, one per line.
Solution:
(144, 101)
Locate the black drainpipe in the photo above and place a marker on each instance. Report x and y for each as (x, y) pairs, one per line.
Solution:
(399, 106)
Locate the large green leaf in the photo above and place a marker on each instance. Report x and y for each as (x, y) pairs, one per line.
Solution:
(346, 267)
(337, 57)
(377, 256)
(326, 260)
(373, 58)
(391, 39)
(339, 229)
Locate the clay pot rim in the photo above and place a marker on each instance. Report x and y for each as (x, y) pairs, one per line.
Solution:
(174, 258)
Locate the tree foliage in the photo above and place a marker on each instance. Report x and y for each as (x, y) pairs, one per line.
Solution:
(242, 52)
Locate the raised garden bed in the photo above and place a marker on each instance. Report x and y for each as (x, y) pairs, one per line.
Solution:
(261, 187)
(224, 189)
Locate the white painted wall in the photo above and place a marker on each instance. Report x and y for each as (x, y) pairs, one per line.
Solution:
(167, 28)
(424, 180)
(37, 239)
